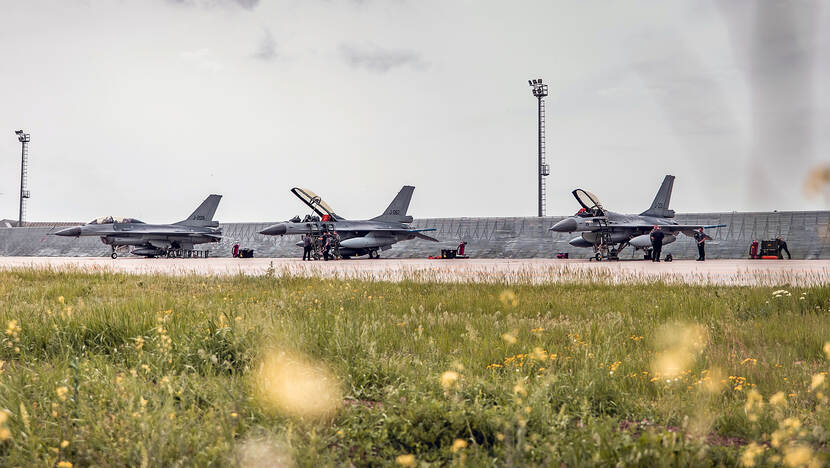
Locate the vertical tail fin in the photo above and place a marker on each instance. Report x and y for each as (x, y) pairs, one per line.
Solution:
(660, 205)
(203, 216)
(396, 211)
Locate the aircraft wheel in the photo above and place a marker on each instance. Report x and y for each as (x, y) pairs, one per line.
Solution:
(669, 258)
(114, 255)
(598, 257)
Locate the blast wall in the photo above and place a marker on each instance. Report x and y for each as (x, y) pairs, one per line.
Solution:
(807, 234)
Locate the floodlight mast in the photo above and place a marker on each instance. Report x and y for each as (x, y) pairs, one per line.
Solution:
(23, 138)
(540, 90)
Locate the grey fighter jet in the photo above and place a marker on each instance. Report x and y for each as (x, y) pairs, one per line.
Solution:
(364, 237)
(152, 240)
(608, 233)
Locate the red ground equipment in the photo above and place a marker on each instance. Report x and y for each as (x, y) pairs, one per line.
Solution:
(235, 250)
(753, 250)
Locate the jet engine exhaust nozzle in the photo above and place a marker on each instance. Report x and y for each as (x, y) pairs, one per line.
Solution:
(566, 225)
(275, 230)
(74, 231)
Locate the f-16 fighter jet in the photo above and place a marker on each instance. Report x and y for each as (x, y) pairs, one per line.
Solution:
(151, 240)
(357, 237)
(608, 232)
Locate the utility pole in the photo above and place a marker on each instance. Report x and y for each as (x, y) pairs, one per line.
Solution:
(540, 90)
(23, 138)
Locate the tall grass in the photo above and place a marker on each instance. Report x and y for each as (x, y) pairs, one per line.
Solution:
(111, 369)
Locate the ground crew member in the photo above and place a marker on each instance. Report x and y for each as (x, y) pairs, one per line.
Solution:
(326, 246)
(782, 245)
(700, 238)
(656, 243)
(307, 247)
(335, 243)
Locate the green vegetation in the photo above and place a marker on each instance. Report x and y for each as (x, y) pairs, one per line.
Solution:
(111, 369)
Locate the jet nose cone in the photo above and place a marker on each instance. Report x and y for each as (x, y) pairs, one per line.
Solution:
(74, 231)
(566, 225)
(275, 230)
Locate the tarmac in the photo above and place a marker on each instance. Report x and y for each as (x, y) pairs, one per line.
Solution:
(510, 271)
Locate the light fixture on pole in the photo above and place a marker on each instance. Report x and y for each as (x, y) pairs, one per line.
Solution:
(540, 90)
(23, 138)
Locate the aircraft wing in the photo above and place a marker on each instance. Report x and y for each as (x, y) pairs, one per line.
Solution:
(664, 227)
(164, 232)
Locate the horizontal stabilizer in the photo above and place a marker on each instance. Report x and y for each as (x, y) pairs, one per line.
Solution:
(425, 237)
(203, 216)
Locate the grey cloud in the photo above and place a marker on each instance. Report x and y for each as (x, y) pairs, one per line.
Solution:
(380, 60)
(246, 4)
(267, 49)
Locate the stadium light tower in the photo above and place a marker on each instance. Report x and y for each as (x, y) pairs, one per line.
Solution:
(23, 138)
(540, 90)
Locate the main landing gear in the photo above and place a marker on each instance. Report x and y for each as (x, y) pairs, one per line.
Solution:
(374, 254)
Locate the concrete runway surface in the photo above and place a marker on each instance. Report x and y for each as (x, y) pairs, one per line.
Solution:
(535, 271)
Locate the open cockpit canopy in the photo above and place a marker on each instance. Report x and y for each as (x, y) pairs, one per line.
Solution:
(115, 220)
(589, 202)
(314, 202)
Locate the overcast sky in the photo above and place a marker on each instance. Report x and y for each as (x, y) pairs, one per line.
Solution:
(141, 108)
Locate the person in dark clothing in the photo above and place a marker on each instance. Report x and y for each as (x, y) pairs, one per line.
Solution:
(656, 243)
(782, 245)
(700, 238)
(307, 247)
(326, 246)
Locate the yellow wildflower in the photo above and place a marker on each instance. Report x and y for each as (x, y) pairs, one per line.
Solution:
(827, 349)
(449, 379)
(508, 298)
(798, 455)
(458, 444)
(519, 389)
(64, 464)
(61, 392)
(64, 444)
(818, 379)
(778, 399)
(751, 453)
(407, 460)
(754, 403)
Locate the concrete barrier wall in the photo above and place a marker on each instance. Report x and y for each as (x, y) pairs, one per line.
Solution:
(807, 234)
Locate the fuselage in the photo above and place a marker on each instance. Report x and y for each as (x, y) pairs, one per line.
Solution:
(357, 237)
(161, 236)
(618, 226)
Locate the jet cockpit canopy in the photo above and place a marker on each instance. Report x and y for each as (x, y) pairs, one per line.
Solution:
(115, 220)
(315, 202)
(589, 202)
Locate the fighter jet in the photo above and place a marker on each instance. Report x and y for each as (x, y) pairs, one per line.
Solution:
(152, 240)
(608, 233)
(357, 237)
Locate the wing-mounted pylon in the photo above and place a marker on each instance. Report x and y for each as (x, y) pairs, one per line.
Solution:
(589, 201)
(315, 203)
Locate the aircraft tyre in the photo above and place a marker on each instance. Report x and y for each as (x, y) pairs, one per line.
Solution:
(669, 258)
(598, 257)
(114, 255)
(374, 254)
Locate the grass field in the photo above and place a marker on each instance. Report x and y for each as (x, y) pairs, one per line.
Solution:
(112, 370)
